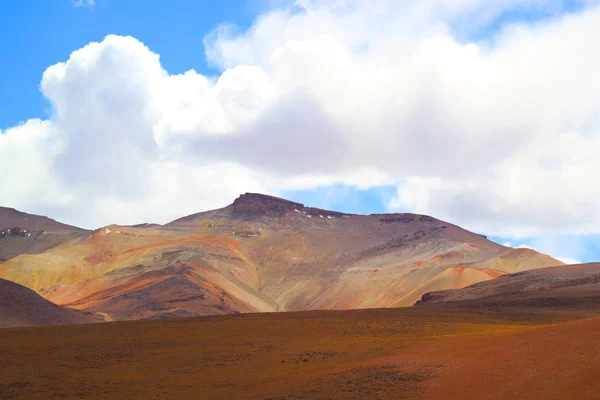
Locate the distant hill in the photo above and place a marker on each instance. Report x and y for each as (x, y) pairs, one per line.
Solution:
(565, 284)
(22, 233)
(20, 306)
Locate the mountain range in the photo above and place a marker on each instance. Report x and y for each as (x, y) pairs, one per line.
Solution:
(258, 254)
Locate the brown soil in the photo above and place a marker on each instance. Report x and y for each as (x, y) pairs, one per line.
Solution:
(423, 352)
(559, 361)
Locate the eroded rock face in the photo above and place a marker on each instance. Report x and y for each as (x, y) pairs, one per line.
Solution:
(253, 203)
(401, 218)
(247, 233)
(260, 204)
(15, 232)
(318, 212)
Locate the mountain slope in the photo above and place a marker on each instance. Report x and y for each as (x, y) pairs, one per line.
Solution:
(22, 233)
(171, 292)
(557, 285)
(20, 306)
(10, 218)
(262, 253)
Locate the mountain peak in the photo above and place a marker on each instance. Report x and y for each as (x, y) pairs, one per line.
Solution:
(262, 204)
(256, 203)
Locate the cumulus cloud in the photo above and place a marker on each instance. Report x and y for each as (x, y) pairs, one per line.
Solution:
(500, 134)
(27, 152)
(99, 158)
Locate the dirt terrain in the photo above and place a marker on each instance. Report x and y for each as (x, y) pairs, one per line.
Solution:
(559, 361)
(264, 254)
(409, 353)
(512, 346)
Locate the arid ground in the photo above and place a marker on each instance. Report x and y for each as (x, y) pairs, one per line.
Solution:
(436, 352)
(521, 331)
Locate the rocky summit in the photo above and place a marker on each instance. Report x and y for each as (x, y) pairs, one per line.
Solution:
(257, 204)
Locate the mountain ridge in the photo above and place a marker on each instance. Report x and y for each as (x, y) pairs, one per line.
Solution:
(11, 218)
(23, 233)
(263, 254)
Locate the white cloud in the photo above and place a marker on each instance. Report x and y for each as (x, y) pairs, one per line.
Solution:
(501, 136)
(567, 260)
(26, 156)
(83, 3)
(99, 159)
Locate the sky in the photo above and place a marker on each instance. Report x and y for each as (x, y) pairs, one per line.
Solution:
(482, 113)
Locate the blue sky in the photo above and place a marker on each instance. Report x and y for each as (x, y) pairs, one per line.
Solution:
(524, 15)
(37, 34)
(345, 198)
(55, 28)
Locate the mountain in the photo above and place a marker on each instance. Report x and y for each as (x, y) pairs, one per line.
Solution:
(20, 306)
(22, 233)
(561, 285)
(10, 218)
(262, 254)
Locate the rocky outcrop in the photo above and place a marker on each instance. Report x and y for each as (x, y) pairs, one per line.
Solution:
(16, 232)
(146, 225)
(247, 233)
(318, 212)
(404, 218)
(260, 204)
